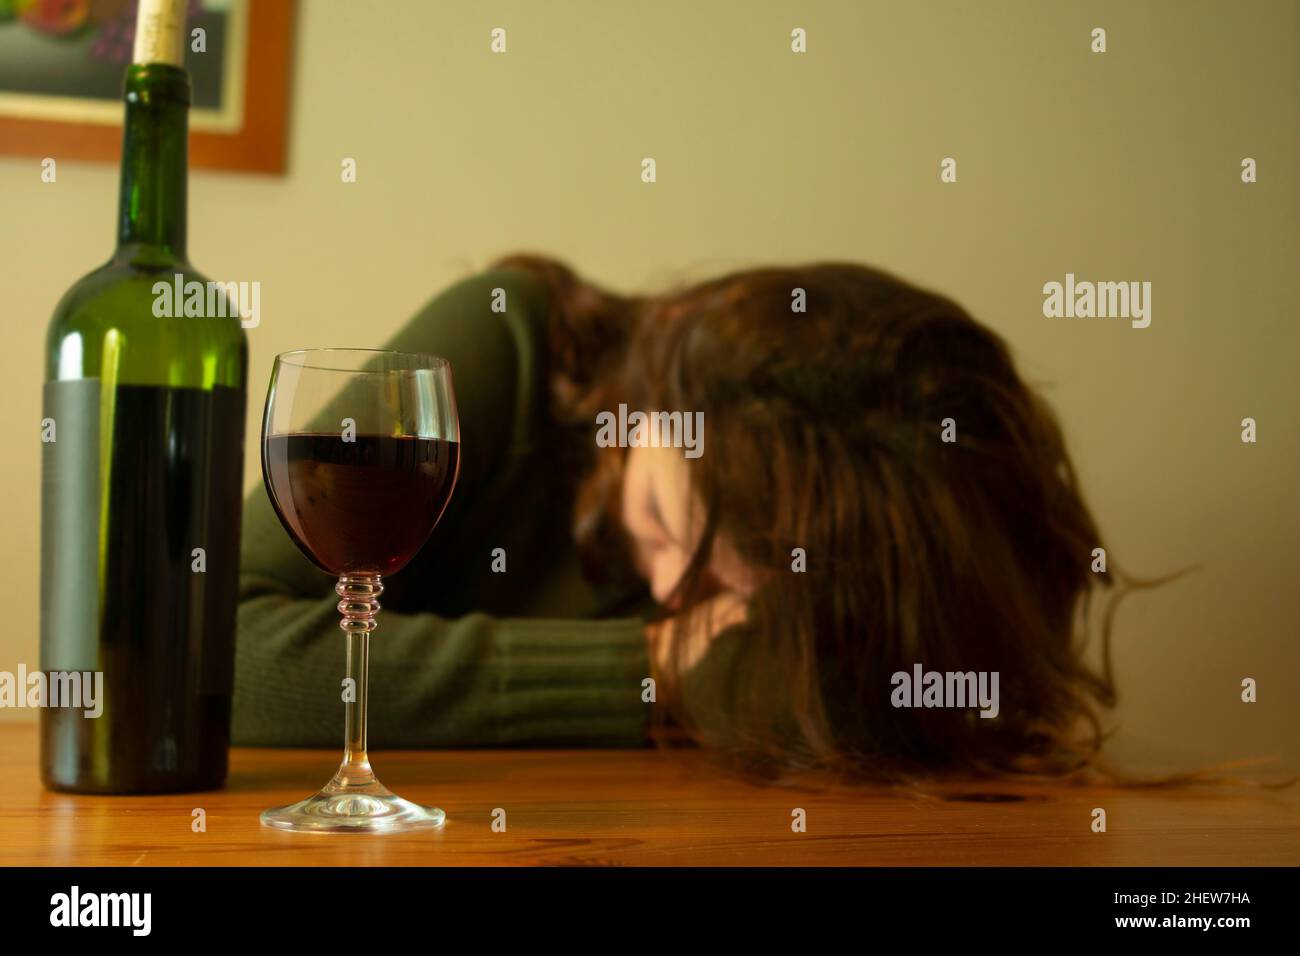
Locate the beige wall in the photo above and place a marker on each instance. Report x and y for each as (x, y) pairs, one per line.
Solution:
(1116, 166)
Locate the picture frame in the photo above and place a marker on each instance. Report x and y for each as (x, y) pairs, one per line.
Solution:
(61, 64)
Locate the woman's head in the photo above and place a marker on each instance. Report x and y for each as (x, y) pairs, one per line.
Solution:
(878, 480)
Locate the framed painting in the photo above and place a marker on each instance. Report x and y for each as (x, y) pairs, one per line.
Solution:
(61, 64)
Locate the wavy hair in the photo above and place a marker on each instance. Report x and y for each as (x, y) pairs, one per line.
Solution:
(826, 433)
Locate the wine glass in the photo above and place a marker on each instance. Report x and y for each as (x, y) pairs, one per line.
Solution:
(360, 452)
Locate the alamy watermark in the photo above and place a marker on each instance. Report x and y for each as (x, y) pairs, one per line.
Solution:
(1102, 300)
(77, 689)
(923, 688)
(210, 299)
(75, 908)
(658, 429)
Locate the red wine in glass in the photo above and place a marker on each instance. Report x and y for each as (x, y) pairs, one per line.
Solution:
(359, 506)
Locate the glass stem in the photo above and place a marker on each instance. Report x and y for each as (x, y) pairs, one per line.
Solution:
(354, 747)
(359, 605)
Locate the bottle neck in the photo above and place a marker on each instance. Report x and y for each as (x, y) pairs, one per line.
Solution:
(155, 160)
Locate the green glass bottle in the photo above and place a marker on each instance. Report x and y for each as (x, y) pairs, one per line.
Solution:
(142, 470)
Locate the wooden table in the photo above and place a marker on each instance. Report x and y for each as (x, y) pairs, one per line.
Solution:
(637, 807)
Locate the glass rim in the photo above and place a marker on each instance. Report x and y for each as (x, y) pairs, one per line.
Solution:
(426, 361)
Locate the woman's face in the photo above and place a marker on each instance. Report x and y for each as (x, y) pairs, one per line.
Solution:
(664, 518)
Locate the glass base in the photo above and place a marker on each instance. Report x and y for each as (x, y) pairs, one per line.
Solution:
(351, 809)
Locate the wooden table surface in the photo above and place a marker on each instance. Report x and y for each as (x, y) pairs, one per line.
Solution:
(637, 807)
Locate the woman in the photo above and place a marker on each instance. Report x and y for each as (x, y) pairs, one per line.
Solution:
(876, 491)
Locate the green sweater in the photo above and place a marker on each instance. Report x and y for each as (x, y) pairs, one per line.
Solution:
(462, 656)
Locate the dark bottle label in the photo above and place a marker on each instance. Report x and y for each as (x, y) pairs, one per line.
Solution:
(141, 494)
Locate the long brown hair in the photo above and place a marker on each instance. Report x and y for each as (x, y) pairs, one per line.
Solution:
(827, 431)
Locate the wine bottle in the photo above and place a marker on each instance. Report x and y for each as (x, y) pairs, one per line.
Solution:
(142, 469)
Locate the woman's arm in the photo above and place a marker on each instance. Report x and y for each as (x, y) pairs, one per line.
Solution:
(473, 681)
(470, 680)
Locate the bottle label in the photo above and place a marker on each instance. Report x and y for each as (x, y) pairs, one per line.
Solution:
(70, 504)
(160, 32)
